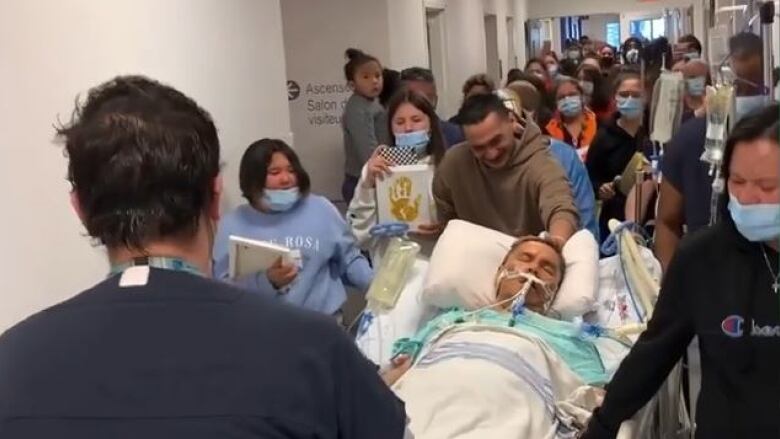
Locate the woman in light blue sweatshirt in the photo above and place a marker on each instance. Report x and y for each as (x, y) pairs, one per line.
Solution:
(281, 210)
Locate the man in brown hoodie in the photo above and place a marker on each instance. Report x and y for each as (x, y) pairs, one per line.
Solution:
(497, 180)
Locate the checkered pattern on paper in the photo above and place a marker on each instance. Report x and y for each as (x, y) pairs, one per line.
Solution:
(401, 155)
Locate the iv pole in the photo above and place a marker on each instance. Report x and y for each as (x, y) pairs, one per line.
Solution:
(766, 12)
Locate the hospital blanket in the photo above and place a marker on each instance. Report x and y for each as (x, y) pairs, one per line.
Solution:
(481, 381)
(575, 347)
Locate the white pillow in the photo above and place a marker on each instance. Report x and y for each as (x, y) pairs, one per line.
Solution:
(466, 257)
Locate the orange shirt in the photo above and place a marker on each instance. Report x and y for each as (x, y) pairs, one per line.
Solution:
(557, 130)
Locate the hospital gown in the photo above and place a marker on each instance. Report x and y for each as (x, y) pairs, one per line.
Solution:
(565, 338)
(475, 376)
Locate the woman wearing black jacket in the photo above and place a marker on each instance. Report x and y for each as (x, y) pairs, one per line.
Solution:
(614, 145)
(722, 286)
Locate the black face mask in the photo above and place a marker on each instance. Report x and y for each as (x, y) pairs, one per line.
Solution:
(607, 62)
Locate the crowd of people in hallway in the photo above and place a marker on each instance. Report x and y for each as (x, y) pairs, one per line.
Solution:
(539, 158)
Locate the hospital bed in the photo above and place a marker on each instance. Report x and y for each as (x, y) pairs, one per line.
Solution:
(625, 287)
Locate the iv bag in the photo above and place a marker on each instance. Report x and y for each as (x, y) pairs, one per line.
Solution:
(667, 106)
(392, 274)
(719, 104)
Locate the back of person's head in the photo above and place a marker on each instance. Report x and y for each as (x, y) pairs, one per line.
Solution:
(512, 75)
(534, 80)
(391, 80)
(356, 59)
(253, 170)
(436, 146)
(658, 55)
(478, 107)
(542, 101)
(528, 93)
(417, 74)
(746, 44)
(143, 161)
(481, 81)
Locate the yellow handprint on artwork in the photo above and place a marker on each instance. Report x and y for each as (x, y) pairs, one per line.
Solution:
(401, 205)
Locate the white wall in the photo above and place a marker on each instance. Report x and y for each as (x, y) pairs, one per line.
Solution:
(227, 55)
(494, 61)
(500, 9)
(520, 12)
(595, 26)
(466, 55)
(316, 34)
(407, 34)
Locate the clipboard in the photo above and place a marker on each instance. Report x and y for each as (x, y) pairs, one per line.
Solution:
(248, 256)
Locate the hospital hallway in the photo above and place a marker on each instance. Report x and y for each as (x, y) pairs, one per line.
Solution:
(428, 219)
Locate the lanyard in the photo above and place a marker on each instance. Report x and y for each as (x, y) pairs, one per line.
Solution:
(161, 262)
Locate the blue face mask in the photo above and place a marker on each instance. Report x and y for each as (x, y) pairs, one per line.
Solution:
(416, 139)
(570, 106)
(630, 108)
(697, 86)
(756, 222)
(748, 104)
(281, 200)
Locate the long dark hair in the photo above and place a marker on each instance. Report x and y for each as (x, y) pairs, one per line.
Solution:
(760, 124)
(253, 170)
(602, 95)
(436, 145)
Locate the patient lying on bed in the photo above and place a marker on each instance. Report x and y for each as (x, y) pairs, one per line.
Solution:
(509, 371)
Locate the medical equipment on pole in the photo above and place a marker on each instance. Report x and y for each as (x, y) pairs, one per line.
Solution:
(722, 101)
(667, 106)
(392, 274)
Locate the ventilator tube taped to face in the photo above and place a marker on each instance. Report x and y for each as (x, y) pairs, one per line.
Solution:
(519, 298)
(391, 277)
